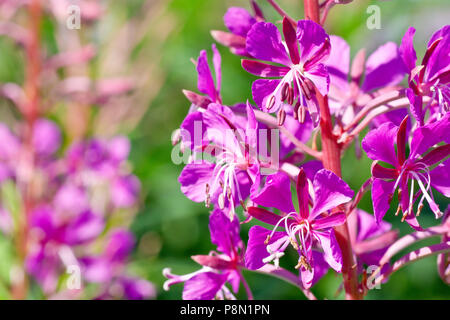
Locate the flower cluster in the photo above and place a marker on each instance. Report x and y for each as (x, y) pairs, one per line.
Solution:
(309, 87)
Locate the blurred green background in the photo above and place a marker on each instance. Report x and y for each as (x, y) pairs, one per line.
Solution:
(170, 228)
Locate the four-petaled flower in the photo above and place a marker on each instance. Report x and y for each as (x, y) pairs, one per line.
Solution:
(233, 167)
(307, 230)
(419, 167)
(302, 72)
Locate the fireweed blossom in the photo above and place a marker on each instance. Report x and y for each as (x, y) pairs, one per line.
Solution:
(233, 167)
(352, 86)
(219, 267)
(302, 57)
(306, 230)
(432, 77)
(239, 22)
(422, 167)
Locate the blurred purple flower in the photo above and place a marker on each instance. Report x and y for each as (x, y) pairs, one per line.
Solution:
(54, 241)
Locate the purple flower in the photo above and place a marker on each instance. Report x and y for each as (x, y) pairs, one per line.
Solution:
(307, 230)
(54, 240)
(432, 77)
(301, 72)
(218, 268)
(349, 89)
(239, 21)
(419, 167)
(46, 137)
(107, 269)
(233, 167)
(96, 162)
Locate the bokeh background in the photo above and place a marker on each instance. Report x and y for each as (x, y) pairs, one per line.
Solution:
(162, 36)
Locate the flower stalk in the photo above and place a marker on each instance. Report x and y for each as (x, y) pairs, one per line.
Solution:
(331, 159)
(30, 113)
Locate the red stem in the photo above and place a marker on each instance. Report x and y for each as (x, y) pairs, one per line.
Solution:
(30, 113)
(331, 159)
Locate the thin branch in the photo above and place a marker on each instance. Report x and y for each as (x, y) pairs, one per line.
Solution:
(376, 102)
(282, 13)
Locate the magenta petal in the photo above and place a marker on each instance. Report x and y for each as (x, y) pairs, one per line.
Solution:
(439, 61)
(86, 227)
(276, 193)
(217, 61)
(205, 80)
(251, 128)
(407, 51)
(384, 67)
(239, 21)
(263, 215)
(440, 178)
(192, 130)
(120, 244)
(436, 155)
(263, 69)
(321, 267)
(338, 63)
(427, 136)
(193, 180)
(46, 137)
(264, 43)
(330, 191)
(379, 143)
(303, 194)
(331, 249)
(256, 248)
(224, 233)
(318, 74)
(291, 40)
(382, 172)
(416, 106)
(332, 220)
(311, 168)
(125, 191)
(381, 196)
(203, 286)
(441, 33)
(311, 37)
(262, 91)
(234, 279)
